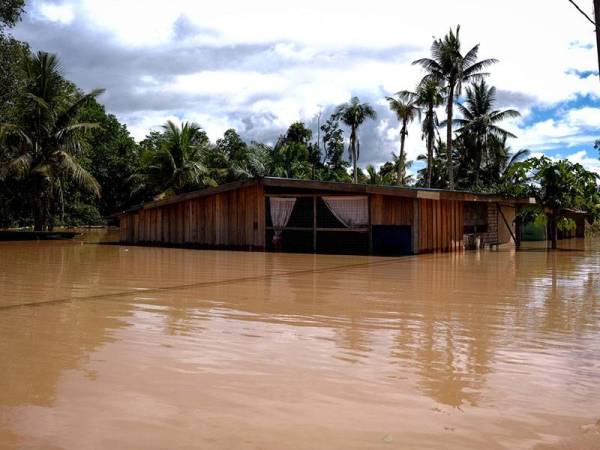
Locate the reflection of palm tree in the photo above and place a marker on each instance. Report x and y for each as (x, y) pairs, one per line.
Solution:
(450, 348)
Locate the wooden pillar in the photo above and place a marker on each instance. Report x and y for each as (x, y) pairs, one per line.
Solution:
(370, 225)
(314, 223)
(517, 227)
(415, 228)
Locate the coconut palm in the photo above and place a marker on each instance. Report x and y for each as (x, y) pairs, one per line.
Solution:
(400, 165)
(449, 66)
(43, 146)
(479, 123)
(371, 175)
(353, 115)
(508, 162)
(406, 108)
(256, 162)
(289, 159)
(429, 96)
(374, 177)
(177, 164)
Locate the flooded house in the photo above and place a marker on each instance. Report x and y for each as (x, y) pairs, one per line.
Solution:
(289, 215)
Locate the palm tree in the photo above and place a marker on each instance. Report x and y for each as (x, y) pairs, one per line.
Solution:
(400, 165)
(407, 109)
(353, 114)
(429, 96)
(437, 170)
(449, 66)
(480, 120)
(177, 165)
(371, 176)
(510, 160)
(43, 146)
(289, 159)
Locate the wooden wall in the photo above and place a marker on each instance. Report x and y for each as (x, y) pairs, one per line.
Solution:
(389, 210)
(440, 225)
(504, 234)
(235, 219)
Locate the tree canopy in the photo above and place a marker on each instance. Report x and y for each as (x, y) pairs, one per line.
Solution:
(10, 12)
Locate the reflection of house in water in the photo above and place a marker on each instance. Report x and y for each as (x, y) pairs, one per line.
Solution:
(184, 326)
(324, 217)
(401, 315)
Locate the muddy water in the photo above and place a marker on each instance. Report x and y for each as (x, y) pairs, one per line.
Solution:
(145, 348)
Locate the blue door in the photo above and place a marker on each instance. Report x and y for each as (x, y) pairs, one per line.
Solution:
(391, 240)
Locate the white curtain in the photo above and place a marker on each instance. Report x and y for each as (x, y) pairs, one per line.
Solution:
(351, 211)
(281, 210)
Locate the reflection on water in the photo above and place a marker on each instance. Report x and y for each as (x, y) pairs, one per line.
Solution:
(105, 346)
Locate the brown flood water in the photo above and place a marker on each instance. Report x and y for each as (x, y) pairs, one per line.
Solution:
(115, 347)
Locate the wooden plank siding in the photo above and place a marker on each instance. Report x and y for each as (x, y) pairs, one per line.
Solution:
(230, 219)
(234, 216)
(387, 210)
(440, 227)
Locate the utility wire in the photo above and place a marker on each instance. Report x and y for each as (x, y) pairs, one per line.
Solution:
(582, 12)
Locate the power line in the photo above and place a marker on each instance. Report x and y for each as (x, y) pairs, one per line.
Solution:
(582, 12)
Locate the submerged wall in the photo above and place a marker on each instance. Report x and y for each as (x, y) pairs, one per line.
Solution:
(440, 226)
(504, 233)
(236, 216)
(232, 219)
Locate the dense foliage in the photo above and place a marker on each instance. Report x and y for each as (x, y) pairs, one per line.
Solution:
(65, 160)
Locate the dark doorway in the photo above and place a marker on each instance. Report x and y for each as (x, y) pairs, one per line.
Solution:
(392, 240)
(343, 242)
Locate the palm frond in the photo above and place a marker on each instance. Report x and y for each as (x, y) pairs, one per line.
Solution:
(78, 174)
(18, 166)
(71, 111)
(83, 126)
(39, 101)
(499, 116)
(477, 68)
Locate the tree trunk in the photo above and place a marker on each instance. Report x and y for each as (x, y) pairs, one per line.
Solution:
(353, 139)
(401, 167)
(38, 221)
(40, 214)
(450, 112)
(478, 159)
(597, 18)
(430, 135)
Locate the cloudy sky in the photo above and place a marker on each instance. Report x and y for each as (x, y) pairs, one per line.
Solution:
(259, 66)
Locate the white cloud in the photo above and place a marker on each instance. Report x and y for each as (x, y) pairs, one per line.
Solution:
(536, 55)
(320, 53)
(585, 117)
(234, 85)
(575, 127)
(62, 13)
(585, 160)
